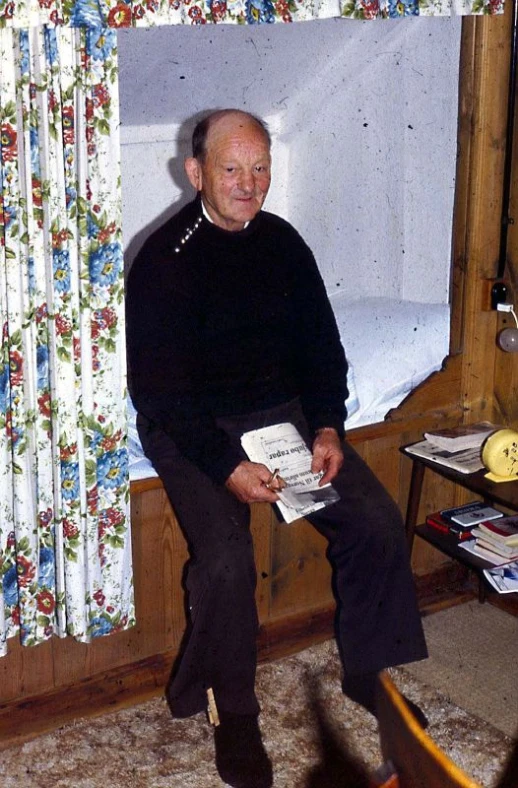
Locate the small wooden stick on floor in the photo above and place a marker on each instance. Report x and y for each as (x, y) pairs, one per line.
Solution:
(212, 708)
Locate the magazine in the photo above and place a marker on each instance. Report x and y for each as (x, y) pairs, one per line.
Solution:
(281, 448)
(471, 513)
(503, 577)
(464, 461)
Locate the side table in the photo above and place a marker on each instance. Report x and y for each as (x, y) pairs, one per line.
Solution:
(504, 493)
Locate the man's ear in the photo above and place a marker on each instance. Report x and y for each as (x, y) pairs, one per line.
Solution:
(193, 171)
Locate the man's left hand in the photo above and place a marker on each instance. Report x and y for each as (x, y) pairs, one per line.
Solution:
(327, 454)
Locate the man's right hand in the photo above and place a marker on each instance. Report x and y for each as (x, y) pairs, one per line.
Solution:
(247, 482)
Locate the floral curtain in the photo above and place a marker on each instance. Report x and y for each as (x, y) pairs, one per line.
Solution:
(128, 13)
(65, 551)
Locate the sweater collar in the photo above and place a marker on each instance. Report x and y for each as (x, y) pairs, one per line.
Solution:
(246, 231)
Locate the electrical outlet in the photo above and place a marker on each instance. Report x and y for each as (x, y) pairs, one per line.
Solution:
(498, 294)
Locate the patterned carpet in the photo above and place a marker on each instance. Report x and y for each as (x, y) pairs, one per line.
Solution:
(302, 706)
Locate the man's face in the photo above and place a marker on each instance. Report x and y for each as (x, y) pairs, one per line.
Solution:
(234, 177)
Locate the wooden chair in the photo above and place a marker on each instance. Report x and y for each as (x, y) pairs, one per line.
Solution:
(412, 759)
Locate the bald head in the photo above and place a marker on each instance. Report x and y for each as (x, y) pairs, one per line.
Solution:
(226, 116)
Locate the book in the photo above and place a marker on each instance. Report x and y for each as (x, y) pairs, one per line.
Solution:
(464, 436)
(464, 461)
(452, 529)
(471, 513)
(505, 553)
(470, 546)
(505, 530)
(504, 578)
(505, 548)
(490, 552)
(485, 534)
(282, 448)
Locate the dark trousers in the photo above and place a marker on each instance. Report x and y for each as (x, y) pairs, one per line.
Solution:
(378, 622)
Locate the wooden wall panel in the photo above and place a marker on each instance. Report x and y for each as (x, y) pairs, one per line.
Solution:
(481, 172)
(382, 457)
(21, 674)
(159, 556)
(462, 185)
(506, 364)
(261, 526)
(301, 575)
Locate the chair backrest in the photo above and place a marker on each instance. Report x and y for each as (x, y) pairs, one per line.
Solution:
(417, 760)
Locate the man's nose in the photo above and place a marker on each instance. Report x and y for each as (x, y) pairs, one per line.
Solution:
(247, 181)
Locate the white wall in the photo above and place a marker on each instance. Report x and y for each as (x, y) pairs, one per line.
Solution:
(363, 116)
(378, 126)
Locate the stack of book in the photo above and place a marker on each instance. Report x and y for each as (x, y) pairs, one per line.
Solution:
(458, 447)
(460, 521)
(464, 436)
(497, 541)
(437, 521)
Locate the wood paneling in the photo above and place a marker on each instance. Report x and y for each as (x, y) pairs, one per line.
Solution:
(301, 576)
(261, 526)
(506, 364)
(482, 141)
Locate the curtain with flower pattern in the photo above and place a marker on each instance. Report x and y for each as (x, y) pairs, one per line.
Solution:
(129, 13)
(65, 551)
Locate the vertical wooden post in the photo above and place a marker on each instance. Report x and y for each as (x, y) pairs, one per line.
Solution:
(484, 80)
(506, 364)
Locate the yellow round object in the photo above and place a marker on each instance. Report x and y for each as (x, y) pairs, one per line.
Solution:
(500, 455)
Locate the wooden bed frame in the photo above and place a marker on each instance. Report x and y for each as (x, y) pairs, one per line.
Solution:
(60, 680)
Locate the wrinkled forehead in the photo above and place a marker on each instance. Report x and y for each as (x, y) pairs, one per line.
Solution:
(236, 129)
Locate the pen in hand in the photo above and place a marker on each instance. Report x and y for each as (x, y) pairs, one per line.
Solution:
(275, 482)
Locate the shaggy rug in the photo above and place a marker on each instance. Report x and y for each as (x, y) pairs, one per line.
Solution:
(316, 738)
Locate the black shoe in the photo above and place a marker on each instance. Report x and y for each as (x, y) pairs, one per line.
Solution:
(362, 689)
(417, 712)
(241, 759)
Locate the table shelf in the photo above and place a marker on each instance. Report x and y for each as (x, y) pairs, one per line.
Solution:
(451, 547)
(503, 493)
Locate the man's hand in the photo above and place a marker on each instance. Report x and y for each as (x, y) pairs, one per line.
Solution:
(248, 483)
(327, 454)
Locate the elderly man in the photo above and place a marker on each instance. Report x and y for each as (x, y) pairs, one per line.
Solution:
(230, 329)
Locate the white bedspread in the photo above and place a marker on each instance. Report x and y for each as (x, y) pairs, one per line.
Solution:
(391, 346)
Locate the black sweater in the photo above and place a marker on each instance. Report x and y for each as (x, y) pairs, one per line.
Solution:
(228, 323)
